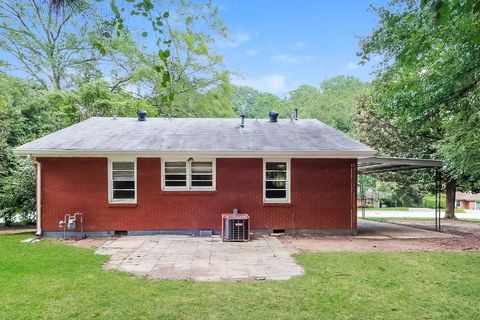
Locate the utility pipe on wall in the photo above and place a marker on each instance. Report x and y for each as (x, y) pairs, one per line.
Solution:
(38, 190)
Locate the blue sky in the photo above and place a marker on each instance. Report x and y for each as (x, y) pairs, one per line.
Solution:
(278, 45)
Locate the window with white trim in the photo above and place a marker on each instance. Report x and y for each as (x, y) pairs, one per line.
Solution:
(188, 175)
(122, 181)
(276, 181)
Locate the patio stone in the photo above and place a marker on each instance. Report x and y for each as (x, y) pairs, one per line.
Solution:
(201, 258)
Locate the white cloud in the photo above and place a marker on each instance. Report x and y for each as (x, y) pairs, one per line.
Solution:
(300, 45)
(273, 83)
(352, 65)
(308, 58)
(235, 40)
(291, 59)
(251, 53)
(285, 58)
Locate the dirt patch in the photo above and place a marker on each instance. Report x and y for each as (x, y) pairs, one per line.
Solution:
(352, 244)
(16, 230)
(457, 227)
(90, 243)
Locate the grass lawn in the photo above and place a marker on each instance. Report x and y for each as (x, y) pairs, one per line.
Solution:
(458, 210)
(53, 281)
(384, 209)
(386, 219)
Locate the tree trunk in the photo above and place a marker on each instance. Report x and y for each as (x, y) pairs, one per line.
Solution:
(450, 191)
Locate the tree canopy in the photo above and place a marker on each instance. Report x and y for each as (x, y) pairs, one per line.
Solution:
(424, 100)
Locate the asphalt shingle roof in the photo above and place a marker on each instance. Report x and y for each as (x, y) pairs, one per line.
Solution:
(97, 135)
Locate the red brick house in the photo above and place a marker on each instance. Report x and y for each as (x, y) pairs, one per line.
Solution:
(179, 175)
(467, 200)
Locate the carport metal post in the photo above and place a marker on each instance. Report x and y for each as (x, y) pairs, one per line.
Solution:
(438, 199)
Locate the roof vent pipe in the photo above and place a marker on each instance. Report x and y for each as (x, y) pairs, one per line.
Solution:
(273, 116)
(296, 114)
(142, 115)
(242, 120)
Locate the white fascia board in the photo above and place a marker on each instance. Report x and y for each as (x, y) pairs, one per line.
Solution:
(217, 154)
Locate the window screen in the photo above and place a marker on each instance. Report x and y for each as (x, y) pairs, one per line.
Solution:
(276, 180)
(188, 175)
(123, 180)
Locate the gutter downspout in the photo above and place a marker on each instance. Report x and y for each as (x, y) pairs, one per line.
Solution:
(38, 190)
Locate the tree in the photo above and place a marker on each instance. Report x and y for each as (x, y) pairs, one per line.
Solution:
(243, 99)
(47, 46)
(264, 103)
(332, 103)
(428, 81)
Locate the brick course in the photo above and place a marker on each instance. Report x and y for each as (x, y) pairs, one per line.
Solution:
(322, 196)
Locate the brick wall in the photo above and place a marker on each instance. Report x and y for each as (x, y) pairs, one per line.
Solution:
(321, 196)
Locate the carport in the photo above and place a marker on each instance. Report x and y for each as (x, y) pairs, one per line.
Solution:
(390, 164)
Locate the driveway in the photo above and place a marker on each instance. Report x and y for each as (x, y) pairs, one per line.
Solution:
(200, 258)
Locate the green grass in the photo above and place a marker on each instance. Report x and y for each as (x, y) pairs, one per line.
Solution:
(470, 220)
(53, 281)
(386, 219)
(385, 209)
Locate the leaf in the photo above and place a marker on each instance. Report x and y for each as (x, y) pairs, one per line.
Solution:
(99, 46)
(114, 8)
(106, 35)
(144, 34)
(158, 68)
(166, 14)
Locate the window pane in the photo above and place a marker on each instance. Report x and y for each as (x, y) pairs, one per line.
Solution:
(201, 170)
(201, 167)
(201, 183)
(276, 166)
(175, 183)
(123, 175)
(175, 177)
(123, 194)
(276, 175)
(175, 164)
(124, 185)
(201, 164)
(276, 194)
(276, 185)
(175, 170)
(201, 177)
(123, 165)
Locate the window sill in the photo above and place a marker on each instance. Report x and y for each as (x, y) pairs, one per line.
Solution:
(277, 204)
(122, 205)
(185, 192)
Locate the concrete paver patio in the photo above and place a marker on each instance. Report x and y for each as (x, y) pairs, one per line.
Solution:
(200, 258)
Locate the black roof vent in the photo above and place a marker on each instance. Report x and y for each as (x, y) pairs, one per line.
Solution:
(273, 116)
(242, 120)
(142, 115)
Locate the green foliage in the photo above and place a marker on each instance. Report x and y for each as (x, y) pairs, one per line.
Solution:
(428, 201)
(332, 103)
(47, 44)
(426, 91)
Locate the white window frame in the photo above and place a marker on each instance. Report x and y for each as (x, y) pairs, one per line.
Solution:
(110, 180)
(288, 184)
(188, 187)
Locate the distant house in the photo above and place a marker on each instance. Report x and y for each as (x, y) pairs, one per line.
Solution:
(467, 200)
(370, 198)
(157, 175)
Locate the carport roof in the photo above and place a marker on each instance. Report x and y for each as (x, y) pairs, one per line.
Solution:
(391, 164)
